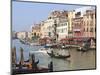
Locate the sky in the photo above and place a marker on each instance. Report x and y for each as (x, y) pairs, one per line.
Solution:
(26, 14)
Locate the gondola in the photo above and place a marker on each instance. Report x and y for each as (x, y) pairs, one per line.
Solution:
(85, 47)
(58, 56)
(35, 62)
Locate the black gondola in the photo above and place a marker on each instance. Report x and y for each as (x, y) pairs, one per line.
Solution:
(58, 56)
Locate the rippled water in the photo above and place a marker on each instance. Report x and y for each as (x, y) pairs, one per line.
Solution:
(78, 60)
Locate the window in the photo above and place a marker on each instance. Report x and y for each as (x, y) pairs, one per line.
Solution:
(62, 30)
(92, 16)
(57, 30)
(49, 34)
(58, 25)
(84, 23)
(34, 34)
(87, 16)
(66, 24)
(91, 23)
(87, 29)
(84, 30)
(91, 30)
(65, 29)
(87, 23)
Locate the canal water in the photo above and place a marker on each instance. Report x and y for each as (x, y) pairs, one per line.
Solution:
(78, 60)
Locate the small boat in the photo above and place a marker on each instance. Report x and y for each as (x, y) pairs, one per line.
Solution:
(34, 44)
(28, 71)
(82, 49)
(61, 54)
(42, 49)
(65, 47)
(58, 56)
(45, 50)
(29, 60)
(48, 46)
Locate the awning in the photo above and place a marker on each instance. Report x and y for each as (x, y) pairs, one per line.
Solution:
(66, 39)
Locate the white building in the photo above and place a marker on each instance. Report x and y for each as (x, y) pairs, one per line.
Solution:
(29, 35)
(22, 35)
(46, 27)
(62, 29)
(49, 27)
(56, 26)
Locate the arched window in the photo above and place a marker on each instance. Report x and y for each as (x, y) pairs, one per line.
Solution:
(87, 29)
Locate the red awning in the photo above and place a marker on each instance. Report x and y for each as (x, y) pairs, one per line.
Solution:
(66, 39)
(69, 39)
(78, 38)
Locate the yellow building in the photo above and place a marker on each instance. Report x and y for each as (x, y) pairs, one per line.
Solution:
(43, 29)
(68, 15)
(89, 23)
(71, 15)
(36, 30)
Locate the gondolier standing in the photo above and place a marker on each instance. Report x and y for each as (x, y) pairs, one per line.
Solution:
(50, 66)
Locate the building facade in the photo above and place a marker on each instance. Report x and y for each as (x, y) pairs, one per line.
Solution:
(66, 24)
(47, 28)
(29, 35)
(59, 27)
(71, 15)
(22, 35)
(84, 22)
(36, 30)
(78, 27)
(89, 23)
(62, 28)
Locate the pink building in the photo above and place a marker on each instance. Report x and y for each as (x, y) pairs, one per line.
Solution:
(77, 26)
(89, 23)
(85, 25)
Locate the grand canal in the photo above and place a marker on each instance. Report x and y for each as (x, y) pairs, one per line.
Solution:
(78, 60)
